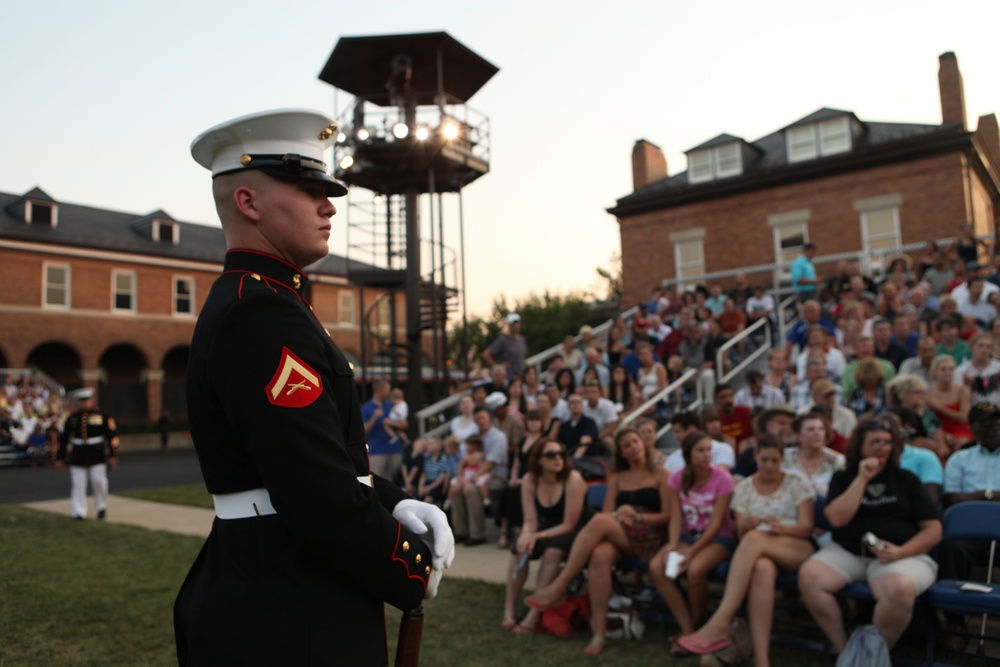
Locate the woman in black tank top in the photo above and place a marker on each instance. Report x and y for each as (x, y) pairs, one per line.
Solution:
(633, 523)
(553, 500)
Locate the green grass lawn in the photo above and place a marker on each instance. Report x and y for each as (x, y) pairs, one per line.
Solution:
(101, 594)
(195, 495)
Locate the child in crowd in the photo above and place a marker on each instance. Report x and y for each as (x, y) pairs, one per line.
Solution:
(469, 468)
(413, 464)
(435, 474)
(395, 423)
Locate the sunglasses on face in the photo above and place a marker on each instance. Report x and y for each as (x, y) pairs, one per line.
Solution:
(554, 455)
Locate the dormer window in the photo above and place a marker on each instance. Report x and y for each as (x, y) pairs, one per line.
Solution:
(828, 137)
(712, 163)
(166, 232)
(41, 213)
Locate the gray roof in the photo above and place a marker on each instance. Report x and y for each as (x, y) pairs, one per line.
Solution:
(772, 157)
(717, 141)
(103, 229)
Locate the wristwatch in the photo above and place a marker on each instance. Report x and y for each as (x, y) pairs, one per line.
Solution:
(988, 494)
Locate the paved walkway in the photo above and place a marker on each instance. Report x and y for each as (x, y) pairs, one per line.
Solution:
(485, 562)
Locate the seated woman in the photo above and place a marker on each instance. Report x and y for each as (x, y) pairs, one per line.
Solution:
(632, 523)
(950, 402)
(774, 521)
(700, 530)
(908, 393)
(874, 495)
(554, 505)
(869, 395)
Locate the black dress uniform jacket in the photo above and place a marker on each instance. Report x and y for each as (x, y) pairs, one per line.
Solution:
(92, 436)
(272, 404)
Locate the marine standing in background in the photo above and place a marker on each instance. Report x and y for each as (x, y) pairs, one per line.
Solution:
(90, 435)
(307, 544)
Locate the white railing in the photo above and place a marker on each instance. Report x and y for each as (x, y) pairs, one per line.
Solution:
(536, 360)
(600, 331)
(720, 354)
(436, 410)
(659, 396)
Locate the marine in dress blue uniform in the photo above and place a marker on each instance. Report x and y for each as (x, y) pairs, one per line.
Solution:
(305, 548)
(90, 442)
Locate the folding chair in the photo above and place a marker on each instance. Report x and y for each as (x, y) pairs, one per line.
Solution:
(970, 521)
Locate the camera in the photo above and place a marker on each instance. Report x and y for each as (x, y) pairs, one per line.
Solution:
(871, 541)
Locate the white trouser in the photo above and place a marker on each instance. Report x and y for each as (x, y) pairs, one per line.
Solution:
(98, 482)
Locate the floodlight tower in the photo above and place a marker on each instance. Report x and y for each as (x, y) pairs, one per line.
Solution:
(407, 139)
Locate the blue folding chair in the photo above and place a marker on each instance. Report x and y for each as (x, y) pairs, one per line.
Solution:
(970, 521)
(596, 494)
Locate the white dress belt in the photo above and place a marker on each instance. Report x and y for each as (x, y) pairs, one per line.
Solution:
(94, 440)
(255, 502)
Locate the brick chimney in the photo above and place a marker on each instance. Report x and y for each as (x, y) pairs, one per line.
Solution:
(952, 91)
(648, 164)
(989, 134)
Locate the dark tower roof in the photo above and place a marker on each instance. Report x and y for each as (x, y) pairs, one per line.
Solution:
(362, 65)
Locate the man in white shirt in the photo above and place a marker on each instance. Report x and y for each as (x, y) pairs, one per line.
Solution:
(683, 423)
(975, 304)
(600, 409)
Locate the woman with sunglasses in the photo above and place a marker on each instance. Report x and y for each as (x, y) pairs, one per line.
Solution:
(553, 501)
(632, 523)
(884, 525)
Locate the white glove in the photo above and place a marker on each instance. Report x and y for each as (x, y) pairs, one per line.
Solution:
(431, 525)
(432, 582)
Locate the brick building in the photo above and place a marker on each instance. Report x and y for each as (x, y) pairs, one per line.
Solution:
(107, 299)
(831, 178)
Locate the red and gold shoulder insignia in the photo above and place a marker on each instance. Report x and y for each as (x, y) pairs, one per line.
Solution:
(295, 384)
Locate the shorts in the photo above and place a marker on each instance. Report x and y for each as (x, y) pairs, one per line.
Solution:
(921, 570)
(727, 542)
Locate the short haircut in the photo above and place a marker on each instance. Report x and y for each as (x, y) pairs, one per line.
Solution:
(686, 420)
(721, 387)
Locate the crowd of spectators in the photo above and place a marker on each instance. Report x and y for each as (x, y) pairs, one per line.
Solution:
(31, 418)
(881, 400)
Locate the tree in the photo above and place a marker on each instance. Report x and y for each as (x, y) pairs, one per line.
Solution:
(612, 277)
(545, 320)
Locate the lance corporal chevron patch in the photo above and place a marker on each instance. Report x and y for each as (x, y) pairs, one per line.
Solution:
(295, 384)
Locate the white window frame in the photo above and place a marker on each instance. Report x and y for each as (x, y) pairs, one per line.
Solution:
(175, 231)
(706, 165)
(718, 158)
(68, 274)
(780, 222)
(700, 167)
(866, 207)
(132, 291)
(819, 136)
(29, 213)
(189, 280)
(682, 272)
(346, 302)
(798, 148)
(841, 127)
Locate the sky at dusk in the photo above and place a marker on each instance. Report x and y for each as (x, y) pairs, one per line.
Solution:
(103, 98)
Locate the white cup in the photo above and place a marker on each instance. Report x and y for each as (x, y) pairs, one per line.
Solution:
(674, 560)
